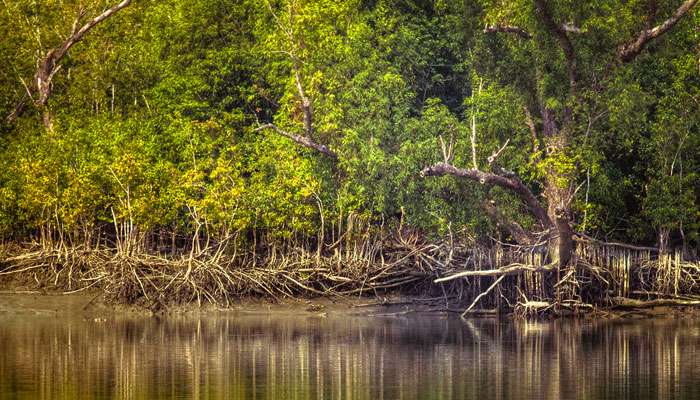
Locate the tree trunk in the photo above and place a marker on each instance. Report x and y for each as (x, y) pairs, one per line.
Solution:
(558, 192)
(561, 244)
(664, 235)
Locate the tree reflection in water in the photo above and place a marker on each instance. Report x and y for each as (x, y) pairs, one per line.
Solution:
(278, 357)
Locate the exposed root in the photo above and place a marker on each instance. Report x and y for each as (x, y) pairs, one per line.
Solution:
(498, 278)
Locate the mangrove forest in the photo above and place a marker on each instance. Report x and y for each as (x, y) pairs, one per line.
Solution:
(536, 157)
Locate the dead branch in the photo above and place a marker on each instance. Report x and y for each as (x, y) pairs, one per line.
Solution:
(629, 51)
(498, 152)
(487, 291)
(447, 149)
(473, 128)
(532, 307)
(625, 302)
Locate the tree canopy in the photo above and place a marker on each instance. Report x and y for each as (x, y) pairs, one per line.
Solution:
(271, 117)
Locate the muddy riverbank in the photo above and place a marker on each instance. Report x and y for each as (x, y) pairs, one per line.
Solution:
(89, 304)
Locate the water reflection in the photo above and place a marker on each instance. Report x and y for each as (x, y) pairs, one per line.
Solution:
(275, 358)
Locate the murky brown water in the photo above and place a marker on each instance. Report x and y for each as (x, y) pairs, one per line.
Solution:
(278, 357)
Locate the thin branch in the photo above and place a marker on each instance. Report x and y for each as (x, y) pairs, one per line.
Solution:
(476, 300)
(447, 149)
(473, 127)
(628, 52)
(475, 164)
(498, 152)
(77, 36)
(302, 140)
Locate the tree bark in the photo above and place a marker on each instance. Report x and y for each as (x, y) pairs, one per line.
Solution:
(558, 190)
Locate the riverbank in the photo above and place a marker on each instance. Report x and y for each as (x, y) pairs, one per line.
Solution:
(398, 277)
(90, 306)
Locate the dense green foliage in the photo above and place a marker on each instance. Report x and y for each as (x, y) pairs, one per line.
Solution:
(156, 114)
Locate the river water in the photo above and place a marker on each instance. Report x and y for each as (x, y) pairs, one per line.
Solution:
(281, 357)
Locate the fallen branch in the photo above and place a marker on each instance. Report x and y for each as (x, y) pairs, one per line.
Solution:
(511, 269)
(532, 307)
(476, 300)
(625, 302)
